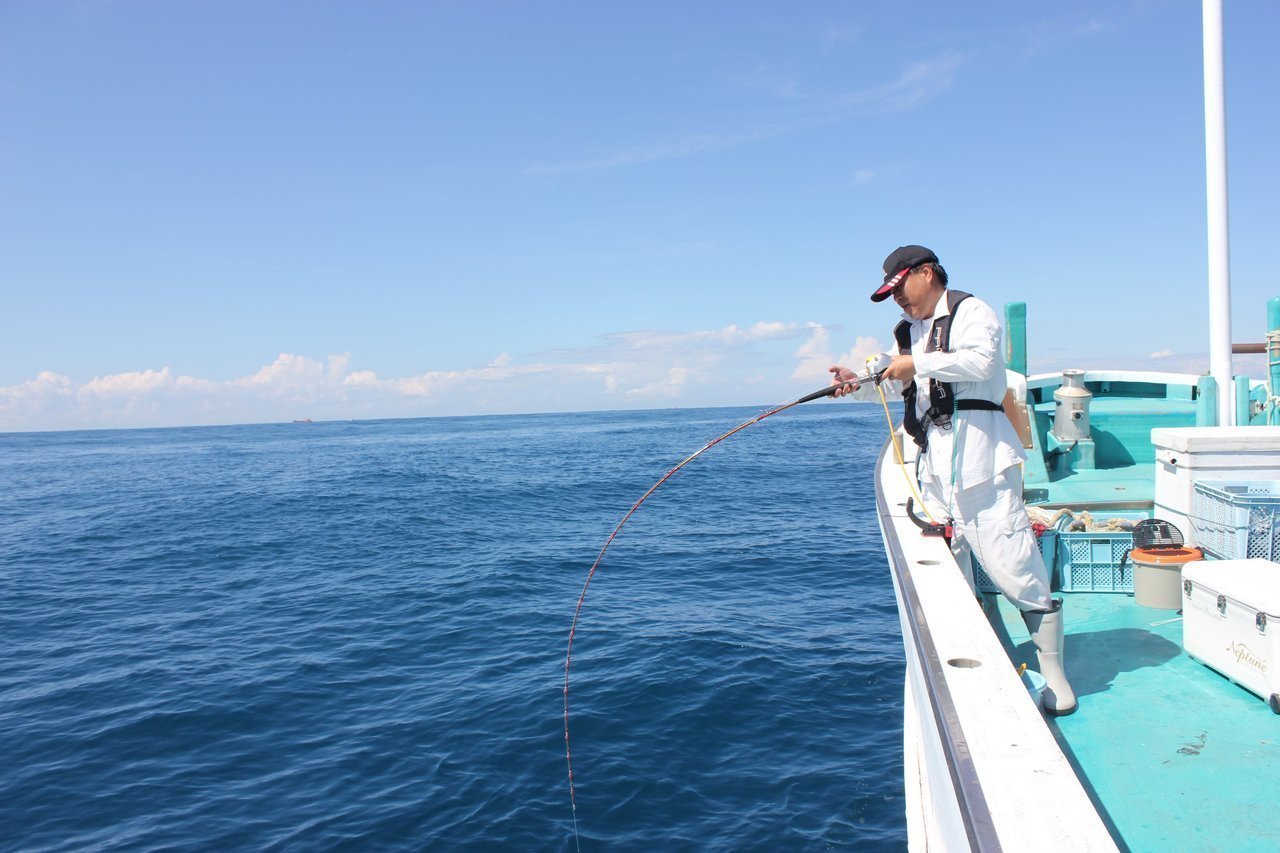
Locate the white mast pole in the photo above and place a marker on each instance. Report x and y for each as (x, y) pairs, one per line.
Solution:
(1215, 139)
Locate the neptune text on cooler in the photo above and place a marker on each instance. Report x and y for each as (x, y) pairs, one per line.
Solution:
(1242, 655)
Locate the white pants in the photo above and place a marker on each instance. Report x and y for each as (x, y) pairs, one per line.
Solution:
(991, 519)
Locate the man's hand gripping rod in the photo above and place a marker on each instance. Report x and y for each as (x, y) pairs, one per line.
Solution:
(876, 366)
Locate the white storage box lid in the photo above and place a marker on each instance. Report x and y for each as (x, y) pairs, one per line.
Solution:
(1255, 439)
(1252, 583)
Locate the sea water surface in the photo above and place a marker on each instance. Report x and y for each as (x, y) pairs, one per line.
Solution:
(352, 635)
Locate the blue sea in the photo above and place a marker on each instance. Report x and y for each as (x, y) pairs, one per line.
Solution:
(352, 636)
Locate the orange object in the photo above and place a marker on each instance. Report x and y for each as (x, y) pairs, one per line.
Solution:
(1166, 556)
(1016, 411)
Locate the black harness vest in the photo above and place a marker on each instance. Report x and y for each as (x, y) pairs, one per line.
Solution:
(942, 399)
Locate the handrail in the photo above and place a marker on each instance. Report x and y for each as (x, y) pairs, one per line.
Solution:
(974, 811)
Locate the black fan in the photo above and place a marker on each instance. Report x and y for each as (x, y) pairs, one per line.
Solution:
(1155, 534)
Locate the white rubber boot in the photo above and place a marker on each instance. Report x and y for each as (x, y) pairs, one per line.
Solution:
(1047, 634)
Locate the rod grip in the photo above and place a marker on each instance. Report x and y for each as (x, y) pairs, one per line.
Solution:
(818, 395)
(831, 389)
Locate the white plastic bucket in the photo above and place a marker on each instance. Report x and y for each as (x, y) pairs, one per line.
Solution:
(1157, 575)
(1035, 684)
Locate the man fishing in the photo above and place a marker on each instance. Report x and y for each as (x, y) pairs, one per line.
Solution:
(952, 381)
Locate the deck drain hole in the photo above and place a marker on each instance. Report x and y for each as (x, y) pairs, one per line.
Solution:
(964, 663)
(928, 563)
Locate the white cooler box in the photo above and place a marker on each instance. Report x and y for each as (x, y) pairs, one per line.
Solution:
(1231, 621)
(1187, 454)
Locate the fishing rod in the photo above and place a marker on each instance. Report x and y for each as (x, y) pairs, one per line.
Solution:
(876, 367)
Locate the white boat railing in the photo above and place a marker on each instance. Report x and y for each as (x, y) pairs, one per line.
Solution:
(982, 769)
(962, 808)
(1052, 380)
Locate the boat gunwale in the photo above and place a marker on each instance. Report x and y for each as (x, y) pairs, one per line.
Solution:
(1149, 377)
(975, 813)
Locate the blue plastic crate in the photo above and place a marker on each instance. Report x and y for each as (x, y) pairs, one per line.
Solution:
(1083, 561)
(1090, 561)
(1238, 519)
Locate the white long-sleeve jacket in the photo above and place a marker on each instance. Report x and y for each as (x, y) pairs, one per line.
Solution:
(988, 443)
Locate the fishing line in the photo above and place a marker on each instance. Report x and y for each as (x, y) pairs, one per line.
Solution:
(870, 376)
(897, 451)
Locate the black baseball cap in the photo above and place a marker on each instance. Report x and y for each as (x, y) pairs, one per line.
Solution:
(902, 261)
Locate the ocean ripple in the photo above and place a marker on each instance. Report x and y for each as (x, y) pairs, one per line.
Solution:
(317, 636)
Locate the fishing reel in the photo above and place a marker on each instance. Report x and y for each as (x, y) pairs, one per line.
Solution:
(877, 365)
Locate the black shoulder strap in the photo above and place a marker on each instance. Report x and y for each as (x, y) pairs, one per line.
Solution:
(954, 298)
(940, 336)
(902, 334)
(910, 422)
(942, 401)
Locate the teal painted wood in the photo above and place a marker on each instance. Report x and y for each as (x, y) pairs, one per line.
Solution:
(1015, 323)
(1034, 471)
(1258, 406)
(1120, 467)
(1242, 401)
(1207, 402)
(1121, 426)
(1273, 357)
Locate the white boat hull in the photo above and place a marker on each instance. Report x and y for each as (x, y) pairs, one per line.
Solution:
(982, 769)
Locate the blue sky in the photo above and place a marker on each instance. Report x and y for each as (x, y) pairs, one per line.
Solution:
(222, 212)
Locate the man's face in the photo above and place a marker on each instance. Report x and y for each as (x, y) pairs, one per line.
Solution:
(917, 294)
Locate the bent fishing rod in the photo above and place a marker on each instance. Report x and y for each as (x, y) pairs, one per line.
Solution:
(875, 371)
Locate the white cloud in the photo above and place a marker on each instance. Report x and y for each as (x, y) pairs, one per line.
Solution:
(669, 386)
(45, 384)
(126, 384)
(863, 349)
(750, 364)
(688, 146)
(43, 399)
(1164, 353)
(287, 374)
(918, 83)
(731, 335)
(815, 356)
(435, 382)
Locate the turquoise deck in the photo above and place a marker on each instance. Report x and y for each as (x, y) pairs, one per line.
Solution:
(1175, 756)
(1097, 488)
(1121, 426)
(1123, 471)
